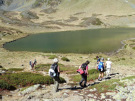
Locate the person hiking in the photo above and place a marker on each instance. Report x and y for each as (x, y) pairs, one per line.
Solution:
(101, 68)
(55, 77)
(108, 66)
(84, 67)
(98, 60)
(32, 64)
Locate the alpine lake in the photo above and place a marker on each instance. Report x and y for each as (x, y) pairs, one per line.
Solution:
(82, 41)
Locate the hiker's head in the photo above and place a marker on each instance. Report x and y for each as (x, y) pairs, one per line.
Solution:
(97, 57)
(102, 59)
(55, 60)
(87, 62)
(108, 59)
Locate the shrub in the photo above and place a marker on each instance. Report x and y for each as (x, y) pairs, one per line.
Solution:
(133, 48)
(123, 59)
(93, 71)
(4, 85)
(93, 75)
(1, 66)
(26, 79)
(65, 59)
(42, 67)
(105, 86)
(129, 78)
(15, 69)
(68, 69)
(52, 56)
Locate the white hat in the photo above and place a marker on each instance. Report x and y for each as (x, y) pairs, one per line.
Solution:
(55, 60)
(108, 59)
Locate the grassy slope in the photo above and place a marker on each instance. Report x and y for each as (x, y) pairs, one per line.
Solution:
(107, 7)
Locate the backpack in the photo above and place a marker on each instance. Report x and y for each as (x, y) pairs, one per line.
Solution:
(52, 73)
(83, 66)
(53, 70)
(100, 65)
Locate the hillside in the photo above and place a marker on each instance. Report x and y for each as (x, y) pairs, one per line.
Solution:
(67, 14)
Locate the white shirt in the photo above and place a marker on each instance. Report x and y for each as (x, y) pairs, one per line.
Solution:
(108, 64)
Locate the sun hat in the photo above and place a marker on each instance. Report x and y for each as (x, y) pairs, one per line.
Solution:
(55, 60)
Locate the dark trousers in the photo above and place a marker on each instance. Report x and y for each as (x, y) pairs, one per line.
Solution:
(84, 78)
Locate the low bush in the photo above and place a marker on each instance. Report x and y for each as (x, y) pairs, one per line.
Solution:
(1, 66)
(52, 56)
(93, 71)
(129, 78)
(133, 48)
(4, 85)
(42, 67)
(26, 79)
(68, 69)
(105, 86)
(45, 67)
(15, 69)
(65, 59)
(93, 75)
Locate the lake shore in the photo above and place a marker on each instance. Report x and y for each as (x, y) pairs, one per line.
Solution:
(21, 59)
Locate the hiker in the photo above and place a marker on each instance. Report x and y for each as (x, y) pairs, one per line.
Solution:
(35, 62)
(98, 60)
(56, 74)
(101, 68)
(84, 67)
(108, 66)
(32, 64)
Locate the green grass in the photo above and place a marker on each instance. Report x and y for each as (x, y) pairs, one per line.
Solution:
(15, 69)
(133, 48)
(65, 59)
(109, 85)
(45, 67)
(1, 66)
(129, 78)
(25, 79)
(52, 56)
(42, 67)
(93, 75)
(4, 85)
(68, 69)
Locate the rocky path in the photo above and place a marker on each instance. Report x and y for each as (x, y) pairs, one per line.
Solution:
(70, 92)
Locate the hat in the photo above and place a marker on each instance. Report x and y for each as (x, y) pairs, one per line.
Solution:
(55, 60)
(102, 58)
(108, 59)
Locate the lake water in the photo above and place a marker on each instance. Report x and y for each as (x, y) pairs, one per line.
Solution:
(84, 41)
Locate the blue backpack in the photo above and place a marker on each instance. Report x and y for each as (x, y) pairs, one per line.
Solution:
(100, 65)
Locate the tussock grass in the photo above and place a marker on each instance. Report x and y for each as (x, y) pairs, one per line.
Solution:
(93, 75)
(25, 79)
(52, 56)
(109, 85)
(129, 78)
(15, 69)
(42, 67)
(65, 59)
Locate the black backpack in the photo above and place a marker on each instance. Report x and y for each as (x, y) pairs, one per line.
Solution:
(83, 66)
(54, 67)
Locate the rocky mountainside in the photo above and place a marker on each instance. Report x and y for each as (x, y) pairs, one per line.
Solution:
(97, 6)
(67, 14)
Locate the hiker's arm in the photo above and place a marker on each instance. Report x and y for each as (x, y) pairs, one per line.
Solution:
(79, 67)
(87, 70)
(58, 69)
